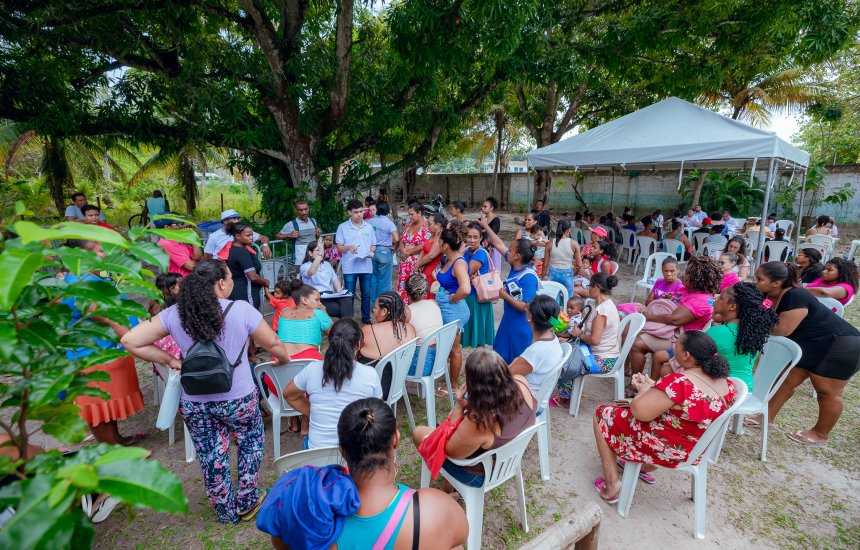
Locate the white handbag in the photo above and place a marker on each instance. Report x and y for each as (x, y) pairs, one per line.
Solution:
(169, 401)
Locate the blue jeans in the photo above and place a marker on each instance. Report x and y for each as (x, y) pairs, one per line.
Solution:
(430, 358)
(563, 276)
(383, 261)
(463, 475)
(364, 280)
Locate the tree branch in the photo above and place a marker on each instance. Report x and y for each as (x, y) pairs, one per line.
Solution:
(521, 100)
(264, 34)
(343, 48)
(566, 123)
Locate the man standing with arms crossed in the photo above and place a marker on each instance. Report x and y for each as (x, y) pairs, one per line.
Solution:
(303, 230)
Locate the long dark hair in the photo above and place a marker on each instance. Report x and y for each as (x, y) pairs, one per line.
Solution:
(395, 311)
(309, 251)
(847, 271)
(783, 273)
(344, 339)
(199, 310)
(742, 249)
(704, 352)
(563, 225)
(541, 310)
(165, 282)
(493, 393)
(754, 320)
(366, 431)
(525, 249)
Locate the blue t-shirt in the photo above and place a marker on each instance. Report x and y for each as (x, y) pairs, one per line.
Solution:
(480, 255)
(384, 228)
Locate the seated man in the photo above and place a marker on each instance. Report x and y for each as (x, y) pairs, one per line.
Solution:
(74, 212)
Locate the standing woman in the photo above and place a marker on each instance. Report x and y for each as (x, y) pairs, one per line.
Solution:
(480, 329)
(410, 246)
(830, 345)
(809, 264)
(488, 211)
(245, 266)
(514, 334)
(531, 231)
(454, 287)
(564, 257)
(203, 313)
(383, 257)
(431, 252)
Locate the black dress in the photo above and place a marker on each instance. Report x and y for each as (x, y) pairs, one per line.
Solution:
(242, 261)
(830, 345)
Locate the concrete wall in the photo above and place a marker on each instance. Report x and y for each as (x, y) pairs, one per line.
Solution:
(837, 177)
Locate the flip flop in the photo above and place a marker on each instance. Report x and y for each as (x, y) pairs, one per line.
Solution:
(644, 477)
(798, 437)
(249, 515)
(600, 484)
(103, 510)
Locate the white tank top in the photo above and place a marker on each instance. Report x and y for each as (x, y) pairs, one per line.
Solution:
(562, 254)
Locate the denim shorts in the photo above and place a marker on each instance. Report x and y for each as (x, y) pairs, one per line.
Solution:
(428, 362)
(463, 475)
(452, 312)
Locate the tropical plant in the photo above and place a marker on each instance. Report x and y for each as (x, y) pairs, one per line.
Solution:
(41, 379)
(815, 192)
(727, 191)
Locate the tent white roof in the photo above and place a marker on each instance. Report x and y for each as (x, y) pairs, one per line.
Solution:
(665, 134)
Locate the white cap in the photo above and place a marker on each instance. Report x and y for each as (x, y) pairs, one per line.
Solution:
(227, 214)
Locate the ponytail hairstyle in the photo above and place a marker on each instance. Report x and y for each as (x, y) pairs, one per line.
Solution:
(165, 282)
(704, 352)
(439, 219)
(299, 290)
(604, 282)
(813, 254)
(783, 273)
(541, 310)
(563, 225)
(344, 339)
(199, 310)
(451, 237)
(847, 271)
(525, 249)
(754, 320)
(395, 311)
(366, 431)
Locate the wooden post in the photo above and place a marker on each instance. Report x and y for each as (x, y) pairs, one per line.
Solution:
(222, 201)
(472, 191)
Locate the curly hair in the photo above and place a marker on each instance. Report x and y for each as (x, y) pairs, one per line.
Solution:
(742, 245)
(395, 311)
(366, 431)
(754, 320)
(847, 271)
(493, 394)
(199, 310)
(703, 274)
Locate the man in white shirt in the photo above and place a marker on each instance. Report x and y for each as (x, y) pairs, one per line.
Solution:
(356, 241)
(217, 243)
(730, 228)
(699, 214)
(302, 229)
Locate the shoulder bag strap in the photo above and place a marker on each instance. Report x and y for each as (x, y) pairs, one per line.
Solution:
(242, 351)
(416, 520)
(394, 520)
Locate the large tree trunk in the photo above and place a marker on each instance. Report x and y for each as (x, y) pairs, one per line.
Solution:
(543, 180)
(697, 190)
(189, 184)
(58, 174)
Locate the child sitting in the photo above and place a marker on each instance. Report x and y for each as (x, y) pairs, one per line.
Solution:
(280, 300)
(574, 307)
(729, 265)
(669, 287)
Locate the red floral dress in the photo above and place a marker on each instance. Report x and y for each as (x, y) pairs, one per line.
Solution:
(668, 439)
(407, 266)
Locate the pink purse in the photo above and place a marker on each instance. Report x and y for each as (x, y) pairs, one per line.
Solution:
(488, 285)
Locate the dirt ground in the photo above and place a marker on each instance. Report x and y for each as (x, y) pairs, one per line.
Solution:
(799, 498)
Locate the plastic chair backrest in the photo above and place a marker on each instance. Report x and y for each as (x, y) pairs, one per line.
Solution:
(628, 237)
(712, 440)
(751, 238)
(281, 376)
(579, 236)
(718, 241)
(698, 240)
(508, 459)
(549, 381)
(444, 338)
(646, 245)
(785, 225)
(400, 359)
(322, 456)
(634, 323)
(586, 236)
(554, 290)
(833, 305)
(610, 233)
(652, 264)
(776, 251)
(674, 247)
(777, 358)
(825, 240)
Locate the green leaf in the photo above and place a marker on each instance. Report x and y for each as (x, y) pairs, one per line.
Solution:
(140, 287)
(118, 454)
(77, 260)
(8, 340)
(17, 267)
(143, 482)
(58, 492)
(30, 232)
(39, 334)
(35, 520)
(187, 236)
(150, 253)
(62, 421)
(80, 475)
(100, 292)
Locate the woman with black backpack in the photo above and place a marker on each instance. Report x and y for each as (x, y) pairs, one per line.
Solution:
(219, 397)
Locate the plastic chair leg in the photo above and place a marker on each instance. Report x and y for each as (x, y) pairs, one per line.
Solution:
(409, 416)
(190, 454)
(700, 499)
(425, 475)
(764, 428)
(430, 392)
(276, 435)
(474, 500)
(628, 486)
(450, 389)
(619, 382)
(521, 489)
(543, 448)
(576, 395)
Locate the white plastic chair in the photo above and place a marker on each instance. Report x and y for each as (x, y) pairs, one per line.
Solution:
(649, 274)
(542, 417)
(751, 238)
(705, 452)
(160, 381)
(554, 290)
(776, 251)
(698, 240)
(400, 359)
(444, 338)
(785, 225)
(633, 324)
(281, 376)
(711, 250)
(628, 245)
(718, 241)
(645, 246)
(853, 251)
(578, 236)
(499, 465)
(777, 359)
(833, 305)
(675, 248)
(322, 456)
(823, 248)
(826, 241)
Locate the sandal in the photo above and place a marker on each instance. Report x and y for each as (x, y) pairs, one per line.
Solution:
(800, 437)
(102, 507)
(751, 422)
(600, 485)
(249, 514)
(644, 477)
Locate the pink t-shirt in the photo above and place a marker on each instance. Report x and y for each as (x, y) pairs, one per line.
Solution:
(701, 305)
(729, 279)
(849, 291)
(179, 254)
(669, 291)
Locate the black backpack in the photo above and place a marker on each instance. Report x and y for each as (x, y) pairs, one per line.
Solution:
(206, 369)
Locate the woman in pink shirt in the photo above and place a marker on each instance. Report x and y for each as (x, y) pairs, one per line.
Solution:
(701, 282)
(837, 281)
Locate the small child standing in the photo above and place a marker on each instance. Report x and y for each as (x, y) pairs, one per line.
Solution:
(330, 254)
(280, 300)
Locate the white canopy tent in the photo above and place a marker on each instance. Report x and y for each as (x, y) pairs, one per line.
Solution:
(674, 133)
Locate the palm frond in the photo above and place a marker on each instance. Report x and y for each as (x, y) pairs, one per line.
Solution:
(162, 161)
(15, 147)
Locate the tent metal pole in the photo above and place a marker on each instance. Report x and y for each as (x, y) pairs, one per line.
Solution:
(752, 171)
(680, 176)
(612, 193)
(764, 208)
(798, 227)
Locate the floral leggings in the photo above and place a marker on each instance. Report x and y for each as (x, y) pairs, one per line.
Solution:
(212, 426)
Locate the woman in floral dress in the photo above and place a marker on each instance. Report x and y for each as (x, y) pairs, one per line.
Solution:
(411, 245)
(666, 419)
